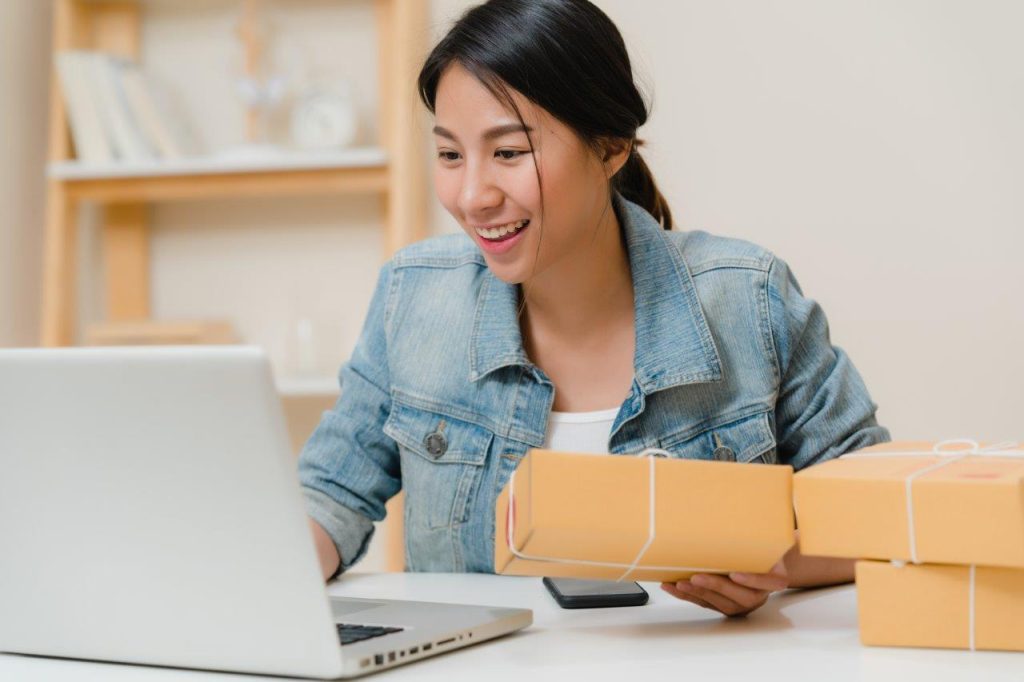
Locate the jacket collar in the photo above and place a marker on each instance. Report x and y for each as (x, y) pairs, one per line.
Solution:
(673, 343)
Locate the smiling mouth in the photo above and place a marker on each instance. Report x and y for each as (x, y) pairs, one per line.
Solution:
(500, 234)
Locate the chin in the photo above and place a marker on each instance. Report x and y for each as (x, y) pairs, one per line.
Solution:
(509, 273)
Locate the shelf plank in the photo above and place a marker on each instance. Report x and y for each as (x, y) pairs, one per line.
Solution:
(357, 157)
(126, 259)
(363, 169)
(143, 332)
(227, 185)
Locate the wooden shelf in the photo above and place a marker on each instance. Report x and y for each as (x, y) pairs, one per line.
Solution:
(345, 172)
(357, 157)
(394, 170)
(164, 333)
(215, 186)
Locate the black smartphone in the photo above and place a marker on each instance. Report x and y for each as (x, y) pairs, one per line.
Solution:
(571, 593)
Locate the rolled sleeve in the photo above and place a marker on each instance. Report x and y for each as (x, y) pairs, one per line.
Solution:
(350, 531)
(349, 468)
(823, 408)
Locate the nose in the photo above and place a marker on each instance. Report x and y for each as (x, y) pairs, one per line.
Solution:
(479, 195)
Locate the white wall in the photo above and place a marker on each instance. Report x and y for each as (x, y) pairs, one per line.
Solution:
(876, 146)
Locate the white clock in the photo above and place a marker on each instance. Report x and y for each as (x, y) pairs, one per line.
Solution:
(324, 119)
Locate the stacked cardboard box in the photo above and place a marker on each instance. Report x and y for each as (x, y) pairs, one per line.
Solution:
(947, 521)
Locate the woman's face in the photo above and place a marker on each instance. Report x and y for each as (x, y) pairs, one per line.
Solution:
(485, 177)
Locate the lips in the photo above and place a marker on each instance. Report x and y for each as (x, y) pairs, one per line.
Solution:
(498, 232)
(503, 243)
(509, 235)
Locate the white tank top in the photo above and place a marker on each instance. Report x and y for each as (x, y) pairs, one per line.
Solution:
(580, 431)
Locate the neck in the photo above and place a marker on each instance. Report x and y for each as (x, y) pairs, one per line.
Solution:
(587, 289)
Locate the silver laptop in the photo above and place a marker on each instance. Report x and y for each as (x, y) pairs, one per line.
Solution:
(150, 513)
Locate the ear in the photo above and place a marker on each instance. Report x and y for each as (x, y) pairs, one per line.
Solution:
(616, 153)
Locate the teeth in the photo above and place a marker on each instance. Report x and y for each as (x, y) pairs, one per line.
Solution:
(497, 232)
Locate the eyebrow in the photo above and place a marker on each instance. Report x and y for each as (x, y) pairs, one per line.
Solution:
(489, 134)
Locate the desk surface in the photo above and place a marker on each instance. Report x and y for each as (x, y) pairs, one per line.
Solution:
(801, 635)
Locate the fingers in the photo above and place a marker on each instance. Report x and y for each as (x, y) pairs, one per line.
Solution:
(718, 601)
(718, 593)
(745, 597)
(768, 582)
(735, 595)
(709, 599)
(678, 594)
(774, 580)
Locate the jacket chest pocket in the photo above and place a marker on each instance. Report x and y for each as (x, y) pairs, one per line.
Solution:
(442, 460)
(745, 440)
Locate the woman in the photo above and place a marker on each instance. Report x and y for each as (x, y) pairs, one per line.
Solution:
(571, 318)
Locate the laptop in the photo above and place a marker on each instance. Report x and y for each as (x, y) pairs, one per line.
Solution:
(150, 513)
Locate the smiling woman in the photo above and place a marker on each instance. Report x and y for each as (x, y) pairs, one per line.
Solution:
(491, 176)
(572, 317)
(519, 111)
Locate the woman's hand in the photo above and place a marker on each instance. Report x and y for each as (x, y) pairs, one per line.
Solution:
(734, 595)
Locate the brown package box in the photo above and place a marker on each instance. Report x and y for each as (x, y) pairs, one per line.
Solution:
(589, 516)
(929, 605)
(967, 511)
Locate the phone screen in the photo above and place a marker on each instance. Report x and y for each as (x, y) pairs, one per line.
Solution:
(574, 587)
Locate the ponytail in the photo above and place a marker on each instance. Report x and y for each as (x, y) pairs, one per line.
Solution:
(636, 183)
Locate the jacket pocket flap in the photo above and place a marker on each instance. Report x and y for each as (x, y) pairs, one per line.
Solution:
(437, 437)
(743, 440)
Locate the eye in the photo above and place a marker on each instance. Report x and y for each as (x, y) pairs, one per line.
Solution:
(508, 154)
(448, 156)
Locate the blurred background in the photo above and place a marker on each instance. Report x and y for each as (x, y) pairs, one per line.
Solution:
(270, 155)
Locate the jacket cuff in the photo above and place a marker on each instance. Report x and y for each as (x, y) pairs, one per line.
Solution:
(350, 530)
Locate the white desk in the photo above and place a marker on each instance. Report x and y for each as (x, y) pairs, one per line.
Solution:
(801, 635)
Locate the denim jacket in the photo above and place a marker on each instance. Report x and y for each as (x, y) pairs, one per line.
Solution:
(440, 399)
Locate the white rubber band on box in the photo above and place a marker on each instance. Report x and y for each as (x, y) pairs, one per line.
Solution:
(909, 493)
(970, 610)
(651, 453)
(971, 620)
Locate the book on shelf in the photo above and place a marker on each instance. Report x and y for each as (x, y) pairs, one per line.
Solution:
(113, 111)
(121, 127)
(82, 106)
(146, 113)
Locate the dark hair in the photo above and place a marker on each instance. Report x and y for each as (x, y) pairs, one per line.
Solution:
(567, 57)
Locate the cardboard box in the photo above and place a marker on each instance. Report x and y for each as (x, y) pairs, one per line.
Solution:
(967, 511)
(929, 605)
(589, 516)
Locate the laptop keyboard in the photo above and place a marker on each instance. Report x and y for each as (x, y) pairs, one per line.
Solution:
(350, 633)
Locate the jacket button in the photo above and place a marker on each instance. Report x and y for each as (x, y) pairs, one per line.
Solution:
(724, 454)
(436, 444)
